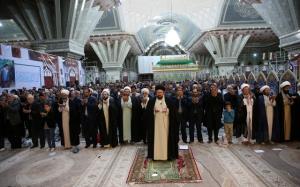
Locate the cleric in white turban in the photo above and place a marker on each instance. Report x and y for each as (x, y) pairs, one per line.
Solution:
(244, 85)
(266, 104)
(263, 88)
(106, 90)
(65, 112)
(284, 103)
(65, 92)
(284, 84)
(127, 88)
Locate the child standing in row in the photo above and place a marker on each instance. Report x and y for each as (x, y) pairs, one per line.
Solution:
(228, 122)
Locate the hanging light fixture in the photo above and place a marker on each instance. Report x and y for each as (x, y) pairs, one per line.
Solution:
(172, 38)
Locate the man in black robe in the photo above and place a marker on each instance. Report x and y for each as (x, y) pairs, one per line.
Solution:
(213, 108)
(75, 114)
(144, 117)
(108, 121)
(171, 147)
(285, 102)
(266, 115)
(89, 118)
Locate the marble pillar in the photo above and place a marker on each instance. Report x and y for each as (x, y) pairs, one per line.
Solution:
(112, 57)
(226, 51)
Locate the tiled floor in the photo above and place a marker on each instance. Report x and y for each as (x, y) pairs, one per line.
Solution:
(235, 165)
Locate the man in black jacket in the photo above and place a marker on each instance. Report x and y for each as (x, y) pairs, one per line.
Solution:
(181, 106)
(195, 115)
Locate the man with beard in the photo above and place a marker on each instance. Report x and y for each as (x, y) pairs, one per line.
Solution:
(266, 115)
(144, 111)
(163, 135)
(181, 104)
(213, 107)
(75, 113)
(284, 103)
(246, 124)
(108, 122)
(195, 110)
(89, 118)
(64, 108)
(128, 119)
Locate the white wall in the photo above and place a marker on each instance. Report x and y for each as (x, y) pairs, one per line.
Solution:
(145, 63)
(28, 73)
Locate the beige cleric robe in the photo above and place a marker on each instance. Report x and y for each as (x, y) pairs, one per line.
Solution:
(161, 133)
(106, 115)
(65, 124)
(127, 111)
(269, 111)
(287, 117)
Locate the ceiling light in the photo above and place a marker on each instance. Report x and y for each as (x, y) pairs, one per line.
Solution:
(172, 37)
(1, 24)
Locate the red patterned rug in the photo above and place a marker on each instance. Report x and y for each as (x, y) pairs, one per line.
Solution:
(182, 170)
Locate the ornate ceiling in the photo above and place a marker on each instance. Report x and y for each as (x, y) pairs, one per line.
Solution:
(144, 23)
(157, 28)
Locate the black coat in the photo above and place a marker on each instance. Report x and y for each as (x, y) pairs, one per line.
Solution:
(90, 122)
(111, 136)
(37, 121)
(184, 106)
(75, 119)
(135, 136)
(196, 110)
(50, 119)
(173, 137)
(213, 109)
(144, 119)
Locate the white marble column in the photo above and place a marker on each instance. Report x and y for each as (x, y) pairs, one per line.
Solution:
(226, 52)
(112, 57)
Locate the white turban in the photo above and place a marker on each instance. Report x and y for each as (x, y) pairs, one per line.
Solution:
(244, 85)
(91, 90)
(64, 91)
(105, 90)
(145, 90)
(263, 88)
(284, 84)
(127, 88)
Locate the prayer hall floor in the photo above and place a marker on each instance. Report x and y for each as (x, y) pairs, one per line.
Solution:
(235, 165)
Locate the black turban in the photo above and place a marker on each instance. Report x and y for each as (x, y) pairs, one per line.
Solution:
(160, 87)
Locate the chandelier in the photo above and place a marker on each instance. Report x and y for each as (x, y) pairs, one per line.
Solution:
(172, 38)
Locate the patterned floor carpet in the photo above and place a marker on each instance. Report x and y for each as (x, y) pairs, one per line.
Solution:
(182, 170)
